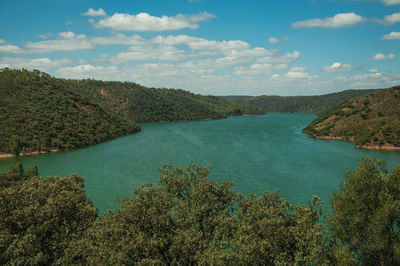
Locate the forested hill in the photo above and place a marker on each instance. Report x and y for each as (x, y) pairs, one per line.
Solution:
(38, 113)
(370, 121)
(142, 104)
(299, 104)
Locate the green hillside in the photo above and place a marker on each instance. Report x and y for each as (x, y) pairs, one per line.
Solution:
(38, 113)
(370, 121)
(299, 104)
(142, 104)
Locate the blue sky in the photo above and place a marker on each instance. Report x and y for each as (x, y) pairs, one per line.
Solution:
(265, 47)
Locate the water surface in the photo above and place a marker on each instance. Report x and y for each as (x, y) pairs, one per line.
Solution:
(257, 153)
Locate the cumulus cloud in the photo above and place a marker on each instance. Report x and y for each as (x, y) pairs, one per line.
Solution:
(380, 56)
(391, 36)
(2, 41)
(391, 2)
(338, 67)
(140, 53)
(274, 57)
(338, 21)
(297, 75)
(11, 49)
(145, 22)
(391, 19)
(89, 71)
(71, 35)
(255, 69)
(119, 39)
(33, 63)
(94, 13)
(69, 42)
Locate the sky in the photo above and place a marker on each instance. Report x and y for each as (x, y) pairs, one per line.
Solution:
(259, 47)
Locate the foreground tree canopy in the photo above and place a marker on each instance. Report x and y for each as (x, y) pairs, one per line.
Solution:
(189, 219)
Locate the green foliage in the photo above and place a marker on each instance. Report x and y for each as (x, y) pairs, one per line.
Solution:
(300, 104)
(46, 115)
(373, 120)
(39, 217)
(32, 171)
(271, 231)
(367, 214)
(188, 219)
(57, 114)
(15, 145)
(142, 104)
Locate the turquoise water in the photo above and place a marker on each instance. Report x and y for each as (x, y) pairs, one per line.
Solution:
(257, 153)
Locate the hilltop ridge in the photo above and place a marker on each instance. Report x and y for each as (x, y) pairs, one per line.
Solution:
(299, 104)
(370, 121)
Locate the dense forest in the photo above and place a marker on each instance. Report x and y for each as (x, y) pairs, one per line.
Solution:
(38, 113)
(370, 121)
(142, 104)
(299, 104)
(189, 219)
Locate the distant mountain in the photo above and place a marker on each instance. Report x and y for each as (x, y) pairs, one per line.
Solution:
(299, 104)
(38, 113)
(142, 104)
(371, 121)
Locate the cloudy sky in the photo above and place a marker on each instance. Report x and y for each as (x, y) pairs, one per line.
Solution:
(265, 47)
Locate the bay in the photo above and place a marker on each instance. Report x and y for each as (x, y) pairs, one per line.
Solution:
(257, 153)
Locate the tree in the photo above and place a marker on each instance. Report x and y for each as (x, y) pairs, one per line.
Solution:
(367, 214)
(18, 169)
(32, 171)
(40, 216)
(15, 145)
(189, 219)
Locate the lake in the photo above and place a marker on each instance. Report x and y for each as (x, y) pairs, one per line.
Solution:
(257, 153)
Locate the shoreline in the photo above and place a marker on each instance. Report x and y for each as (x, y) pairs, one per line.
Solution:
(383, 147)
(10, 155)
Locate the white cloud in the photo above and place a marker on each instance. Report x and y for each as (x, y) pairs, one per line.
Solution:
(140, 53)
(373, 70)
(392, 19)
(69, 42)
(391, 36)
(361, 77)
(255, 69)
(44, 36)
(11, 49)
(89, 71)
(43, 64)
(274, 40)
(71, 35)
(2, 41)
(297, 69)
(380, 56)
(337, 21)
(146, 22)
(94, 13)
(259, 79)
(297, 75)
(119, 39)
(206, 46)
(391, 2)
(338, 67)
(273, 56)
